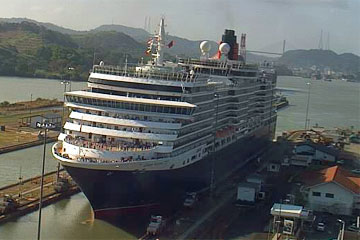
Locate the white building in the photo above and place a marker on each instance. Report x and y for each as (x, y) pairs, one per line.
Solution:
(332, 190)
(306, 153)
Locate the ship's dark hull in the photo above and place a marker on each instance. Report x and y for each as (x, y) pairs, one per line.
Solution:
(123, 192)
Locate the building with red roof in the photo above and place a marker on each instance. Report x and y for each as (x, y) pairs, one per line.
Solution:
(334, 190)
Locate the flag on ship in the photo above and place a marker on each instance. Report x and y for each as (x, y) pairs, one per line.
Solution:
(147, 52)
(149, 41)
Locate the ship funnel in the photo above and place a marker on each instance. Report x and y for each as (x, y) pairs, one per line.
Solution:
(229, 37)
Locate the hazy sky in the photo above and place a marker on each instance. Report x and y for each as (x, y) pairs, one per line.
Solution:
(266, 22)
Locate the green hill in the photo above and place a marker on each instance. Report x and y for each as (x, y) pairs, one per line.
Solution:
(27, 49)
(346, 62)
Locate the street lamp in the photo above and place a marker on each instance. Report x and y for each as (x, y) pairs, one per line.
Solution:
(46, 126)
(212, 180)
(64, 82)
(307, 121)
(341, 234)
(70, 69)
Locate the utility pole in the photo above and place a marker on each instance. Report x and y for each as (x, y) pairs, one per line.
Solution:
(46, 126)
(62, 125)
(307, 121)
(284, 44)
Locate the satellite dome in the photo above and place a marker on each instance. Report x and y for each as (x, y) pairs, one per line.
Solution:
(102, 63)
(224, 48)
(205, 46)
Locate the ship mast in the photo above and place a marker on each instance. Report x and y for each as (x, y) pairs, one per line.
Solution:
(160, 43)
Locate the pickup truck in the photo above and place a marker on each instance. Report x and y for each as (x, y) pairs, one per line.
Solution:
(156, 225)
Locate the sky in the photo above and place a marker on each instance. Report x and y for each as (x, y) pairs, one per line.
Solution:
(266, 22)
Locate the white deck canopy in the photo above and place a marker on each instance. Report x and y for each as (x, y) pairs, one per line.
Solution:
(123, 122)
(118, 133)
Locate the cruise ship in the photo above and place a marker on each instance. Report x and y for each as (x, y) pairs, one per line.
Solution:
(142, 136)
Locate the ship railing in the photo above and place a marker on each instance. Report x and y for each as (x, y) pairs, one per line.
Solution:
(132, 72)
(103, 161)
(128, 147)
(108, 161)
(215, 63)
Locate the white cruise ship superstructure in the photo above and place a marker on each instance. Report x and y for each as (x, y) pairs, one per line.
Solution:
(140, 134)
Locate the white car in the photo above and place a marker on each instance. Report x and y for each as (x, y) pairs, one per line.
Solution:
(190, 200)
(356, 171)
(320, 227)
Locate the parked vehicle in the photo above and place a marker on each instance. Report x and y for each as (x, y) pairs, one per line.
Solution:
(190, 200)
(356, 171)
(156, 225)
(320, 227)
(353, 228)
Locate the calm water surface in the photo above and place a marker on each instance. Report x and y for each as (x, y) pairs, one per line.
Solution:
(332, 104)
(38, 87)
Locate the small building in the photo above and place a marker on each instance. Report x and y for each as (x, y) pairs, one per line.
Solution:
(273, 167)
(334, 190)
(32, 121)
(308, 152)
(289, 219)
(247, 192)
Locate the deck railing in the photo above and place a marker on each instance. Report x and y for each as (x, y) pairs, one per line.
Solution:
(149, 74)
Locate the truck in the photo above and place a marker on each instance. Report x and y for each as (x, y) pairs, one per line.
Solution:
(156, 225)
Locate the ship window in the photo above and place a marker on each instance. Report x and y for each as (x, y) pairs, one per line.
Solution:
(141, 107)
(125, 105)
(153, 108)
(172, 110)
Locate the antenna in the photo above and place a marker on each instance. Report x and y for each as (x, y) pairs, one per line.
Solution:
(327, 47)
(94, 57)
(149, 26)
(243, 46)
(321, 41)
(145, 24)
(284, 44)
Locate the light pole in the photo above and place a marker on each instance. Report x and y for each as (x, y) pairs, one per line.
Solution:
(212, 180)
(46, 126)
(64, 82)
(70, 69)
(307, 121)
(341, 234)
